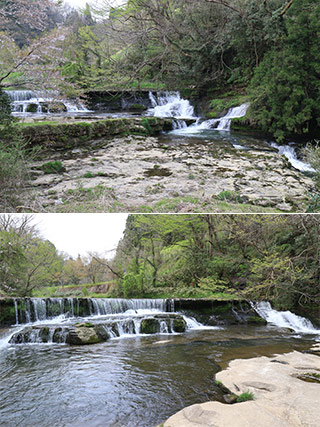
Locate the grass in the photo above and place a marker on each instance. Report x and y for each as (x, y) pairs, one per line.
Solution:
(80, 290)
(104, 199)
(244, 397)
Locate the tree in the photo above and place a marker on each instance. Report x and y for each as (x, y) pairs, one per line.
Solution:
(285, 90)
(36, 60)
(27, 262)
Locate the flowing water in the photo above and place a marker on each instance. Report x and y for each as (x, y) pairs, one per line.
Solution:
(134, 380)
(170, 104)
(39, 103)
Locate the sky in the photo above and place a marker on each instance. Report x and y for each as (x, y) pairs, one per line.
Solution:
(82, 233)
(82, 3)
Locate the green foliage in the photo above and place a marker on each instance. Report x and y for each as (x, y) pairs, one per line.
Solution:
(244, 397)
(258, 257)
(5, 109)
(53, 167)
(230, 196)
(13, 170)
(285, 88)
(26, 262)
(132, 285)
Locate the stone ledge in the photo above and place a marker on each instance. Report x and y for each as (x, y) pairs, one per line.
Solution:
(280, 398)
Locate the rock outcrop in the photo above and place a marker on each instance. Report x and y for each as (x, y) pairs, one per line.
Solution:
(143, 171)
(281, 399)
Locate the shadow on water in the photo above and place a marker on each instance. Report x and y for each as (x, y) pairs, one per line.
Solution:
(126, 382)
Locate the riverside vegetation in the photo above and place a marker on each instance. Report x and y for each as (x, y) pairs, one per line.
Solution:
(225, 257)
(217, 53)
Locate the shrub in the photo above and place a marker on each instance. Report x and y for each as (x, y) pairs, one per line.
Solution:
(13, 173)
(53, 167)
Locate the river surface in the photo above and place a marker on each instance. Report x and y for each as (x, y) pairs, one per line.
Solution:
(126, 382)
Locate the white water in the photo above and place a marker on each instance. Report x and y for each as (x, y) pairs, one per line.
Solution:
(291, 155)
(285, 319)
(21, 99)
(123, 315)
(170, 104)
(224, 122)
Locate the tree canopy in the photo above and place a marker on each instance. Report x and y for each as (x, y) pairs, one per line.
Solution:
(272, 257)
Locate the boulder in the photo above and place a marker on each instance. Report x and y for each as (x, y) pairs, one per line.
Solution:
(82, 335)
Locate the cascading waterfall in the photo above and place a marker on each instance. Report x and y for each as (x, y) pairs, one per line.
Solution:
(39, 309)
(289, 152)
(224, 122)
(52, 320)
(285, 319)
(26, 101)
(170, 104)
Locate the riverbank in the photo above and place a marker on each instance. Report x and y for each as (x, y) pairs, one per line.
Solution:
(283, 395)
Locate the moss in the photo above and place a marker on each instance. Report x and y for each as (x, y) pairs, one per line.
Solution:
(137, 107)
(53, 167)
(7, 312)
(257, 320)
(179, 325)
(149, 326)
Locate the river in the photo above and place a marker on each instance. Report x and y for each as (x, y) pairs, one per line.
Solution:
(131, 381)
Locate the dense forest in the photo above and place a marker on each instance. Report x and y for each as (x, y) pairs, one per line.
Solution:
(267, 51)
(261, 257)
(218, 53)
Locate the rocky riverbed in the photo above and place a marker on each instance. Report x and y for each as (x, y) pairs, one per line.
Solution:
(285, 390)
(129, 172)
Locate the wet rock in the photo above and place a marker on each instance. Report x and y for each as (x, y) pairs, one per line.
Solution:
(83, 335)
(230, 398)
(172, 323)
(150, 326)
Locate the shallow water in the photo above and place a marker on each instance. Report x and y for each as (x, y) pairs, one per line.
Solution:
(128, 382)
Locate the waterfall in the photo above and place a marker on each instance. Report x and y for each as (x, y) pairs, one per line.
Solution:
(55, 320)
(285, 319)
(223, 123)
(170, 104)
(289, 152)
(31, 310)
(26, 101)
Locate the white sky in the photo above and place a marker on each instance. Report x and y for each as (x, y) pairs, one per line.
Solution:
(82, 3)
(81, 233)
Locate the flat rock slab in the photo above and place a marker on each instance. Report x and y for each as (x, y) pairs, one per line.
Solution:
(280, 398)
(142, 171)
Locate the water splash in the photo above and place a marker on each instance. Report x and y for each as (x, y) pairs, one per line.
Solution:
(33, 102)
(285, 319)
(290, 153)
(170, 104)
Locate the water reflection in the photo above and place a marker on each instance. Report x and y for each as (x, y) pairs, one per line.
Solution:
(131, 382)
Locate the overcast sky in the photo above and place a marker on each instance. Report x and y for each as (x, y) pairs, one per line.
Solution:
(81, 233)
(82, 3)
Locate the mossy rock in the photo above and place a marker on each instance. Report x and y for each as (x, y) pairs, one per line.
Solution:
(179, 325)
(137, 107)
(32, 108)
(150, 326)
(44, 334)
(256, 320)
(83, 335)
